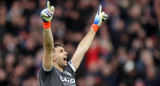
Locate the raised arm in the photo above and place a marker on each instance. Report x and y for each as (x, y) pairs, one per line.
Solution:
(87, 40)
(46, 15)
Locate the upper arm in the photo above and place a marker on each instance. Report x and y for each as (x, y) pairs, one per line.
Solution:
(48, 59)
(77, 58)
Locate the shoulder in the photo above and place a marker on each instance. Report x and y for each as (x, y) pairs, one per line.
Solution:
(43, 71)
(70, 67)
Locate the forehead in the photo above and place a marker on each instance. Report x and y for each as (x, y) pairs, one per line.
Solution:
(58, 48)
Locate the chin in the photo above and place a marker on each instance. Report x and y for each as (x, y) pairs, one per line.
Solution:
(65, 65)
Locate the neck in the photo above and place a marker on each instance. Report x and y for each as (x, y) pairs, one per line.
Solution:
(57, 66)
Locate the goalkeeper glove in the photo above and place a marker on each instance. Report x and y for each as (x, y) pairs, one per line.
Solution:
(47, 15)
(100, 16)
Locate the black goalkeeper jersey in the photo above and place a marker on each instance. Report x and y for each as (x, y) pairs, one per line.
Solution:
(54, 77)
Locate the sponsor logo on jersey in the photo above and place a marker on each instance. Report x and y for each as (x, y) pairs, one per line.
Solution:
(70, 80)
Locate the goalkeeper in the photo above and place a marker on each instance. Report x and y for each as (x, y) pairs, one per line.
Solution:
(56, 71)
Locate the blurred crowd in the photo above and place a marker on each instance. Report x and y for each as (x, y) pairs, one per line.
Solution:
(125, 51)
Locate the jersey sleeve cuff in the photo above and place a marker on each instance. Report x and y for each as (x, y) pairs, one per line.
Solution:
(45, 69)
(72, 66)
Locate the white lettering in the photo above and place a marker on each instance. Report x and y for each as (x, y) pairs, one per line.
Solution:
(70, 81)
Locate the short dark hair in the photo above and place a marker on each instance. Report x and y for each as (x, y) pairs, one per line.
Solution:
(57, 45)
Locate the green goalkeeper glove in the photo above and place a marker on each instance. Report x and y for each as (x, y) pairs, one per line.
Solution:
(47, 13)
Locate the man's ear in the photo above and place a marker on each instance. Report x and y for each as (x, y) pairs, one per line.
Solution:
(54, 58)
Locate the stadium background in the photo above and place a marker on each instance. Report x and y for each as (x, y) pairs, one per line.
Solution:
(125, 51)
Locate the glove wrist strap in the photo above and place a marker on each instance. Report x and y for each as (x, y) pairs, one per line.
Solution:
(46, 25)
(94, 27)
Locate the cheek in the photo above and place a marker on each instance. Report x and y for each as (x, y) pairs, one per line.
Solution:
(58, 58)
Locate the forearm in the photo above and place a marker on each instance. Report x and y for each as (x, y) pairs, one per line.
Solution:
(86, 41)
(82, 48)
(48, 40)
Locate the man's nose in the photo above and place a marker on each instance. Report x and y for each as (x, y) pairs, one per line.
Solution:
(66, 53)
